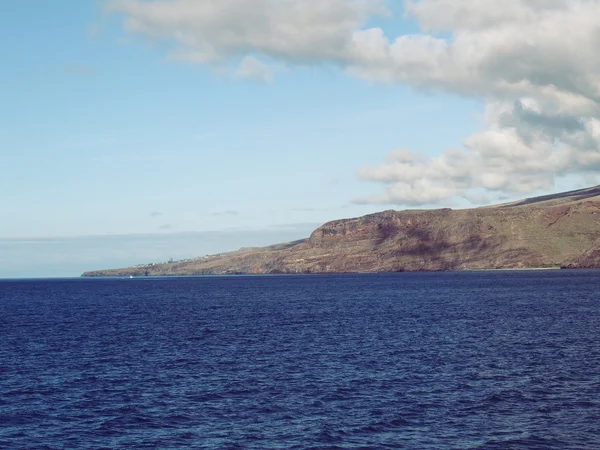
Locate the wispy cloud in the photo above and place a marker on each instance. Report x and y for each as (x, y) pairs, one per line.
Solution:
(253, 69)
(313, 209)
(224, 213)
(93, 30)
(308, 209)
(79, 69)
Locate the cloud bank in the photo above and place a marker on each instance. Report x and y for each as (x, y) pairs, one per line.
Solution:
(534, 64)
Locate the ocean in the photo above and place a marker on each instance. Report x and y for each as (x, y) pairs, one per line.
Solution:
(470, 360)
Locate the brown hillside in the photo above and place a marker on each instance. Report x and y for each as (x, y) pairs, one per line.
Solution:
(549, 231)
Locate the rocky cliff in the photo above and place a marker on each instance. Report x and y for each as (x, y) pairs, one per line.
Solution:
(561, 230)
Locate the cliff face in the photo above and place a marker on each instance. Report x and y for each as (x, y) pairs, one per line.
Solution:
(551, 231)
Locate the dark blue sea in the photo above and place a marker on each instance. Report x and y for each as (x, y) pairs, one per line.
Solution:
(473, 360)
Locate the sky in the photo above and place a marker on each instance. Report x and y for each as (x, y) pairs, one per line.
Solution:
(136, 131)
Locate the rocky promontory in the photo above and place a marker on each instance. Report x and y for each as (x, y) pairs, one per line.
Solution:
(561, 230)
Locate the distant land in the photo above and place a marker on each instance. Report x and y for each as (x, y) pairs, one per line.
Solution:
(553, 231)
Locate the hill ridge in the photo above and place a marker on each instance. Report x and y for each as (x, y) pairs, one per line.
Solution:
(557, 230)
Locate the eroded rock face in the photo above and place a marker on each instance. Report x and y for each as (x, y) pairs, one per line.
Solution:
(551, 231)
(589, 260)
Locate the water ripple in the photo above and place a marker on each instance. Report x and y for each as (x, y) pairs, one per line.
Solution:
(437, 361)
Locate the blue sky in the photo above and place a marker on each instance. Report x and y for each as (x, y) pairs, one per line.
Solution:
(108, 134)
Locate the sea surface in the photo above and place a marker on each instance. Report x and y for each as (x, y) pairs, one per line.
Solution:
(472, 360)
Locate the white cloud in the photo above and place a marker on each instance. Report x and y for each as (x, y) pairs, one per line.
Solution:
(534, 63)
(253, 69)
(305, 31)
